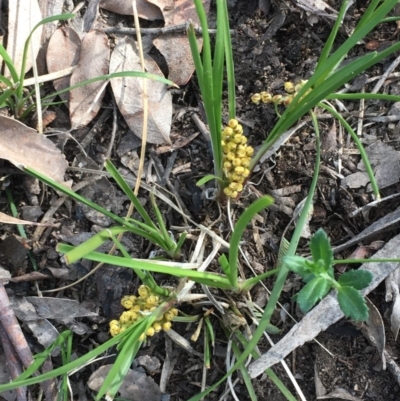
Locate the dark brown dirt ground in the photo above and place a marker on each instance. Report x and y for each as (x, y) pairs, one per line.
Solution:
(273, 43)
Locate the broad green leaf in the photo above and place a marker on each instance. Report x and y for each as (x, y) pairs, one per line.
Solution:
(357, 279)
(321, 250)
(352, 303)
(315, 290)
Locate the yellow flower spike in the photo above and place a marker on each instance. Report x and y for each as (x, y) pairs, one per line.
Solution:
(246, 161)
(227, 191)
(244, 140)
(241, 154)
(114, 331)
(136, 308)
(142, 337)
(230, 156)
(287, 100)
(227, 165)
(127, 302)
(226, 149)
(114, 323)
(246, 172)
(167, 326)
(277, 99)
(239, 187)
(232, 145)
(234, 194)
(249, 151)
(240, 179)
(152, 300)
(239, 170)
(233, 123)
(241, 147)
(266, 97)
(233, 186)
(168, 315)
(289, 87)
(227, 132)
(237, 162)
(237, 138)
(256, 98)
(125, 317)
(144, 291)
(157, 327)
(150, 332)
(238, 129)
(174, 311)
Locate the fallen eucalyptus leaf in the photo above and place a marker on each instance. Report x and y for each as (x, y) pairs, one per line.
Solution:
(128, 92)
(85, 101)
(24, 147)
(145, 9)
(63, 51)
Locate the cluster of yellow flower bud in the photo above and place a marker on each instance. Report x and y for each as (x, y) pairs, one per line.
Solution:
(290, 88)
(137, 308)
(237, 157)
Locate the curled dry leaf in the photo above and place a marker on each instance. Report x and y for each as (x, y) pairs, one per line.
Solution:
(175, 47)
(48, 9)
(63, 51)
(145, 9)
(22, 18)
(135, 386)
(128, 92)
(24, 147)
(85, 101)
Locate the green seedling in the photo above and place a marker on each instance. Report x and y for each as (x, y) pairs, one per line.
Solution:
(318, 274)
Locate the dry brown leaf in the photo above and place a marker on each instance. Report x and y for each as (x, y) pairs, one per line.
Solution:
(63, 51)
(48, 9)
(145, 9)
(22, 17)
(85, 101)
(24, 147)
(341, 393)
(128, 92)
(6, 219)
(175, 47)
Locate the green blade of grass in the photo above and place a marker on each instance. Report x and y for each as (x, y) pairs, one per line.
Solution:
(240, 227)
(10, 65)
(211, 279)
(230, 69)
(78, 252)
(61, 17)
(128, 192)
(121, 74)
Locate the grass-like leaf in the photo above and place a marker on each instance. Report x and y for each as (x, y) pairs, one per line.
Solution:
(238, 231)
(352, 303)
(357, 279)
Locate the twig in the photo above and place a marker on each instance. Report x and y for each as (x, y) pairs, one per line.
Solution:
(181, 28)
(13, 363)
(385, 75)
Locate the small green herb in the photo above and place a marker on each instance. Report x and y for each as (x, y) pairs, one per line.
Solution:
(318, 273)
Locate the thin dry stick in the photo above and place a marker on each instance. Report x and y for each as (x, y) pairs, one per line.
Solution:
(179, 29)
